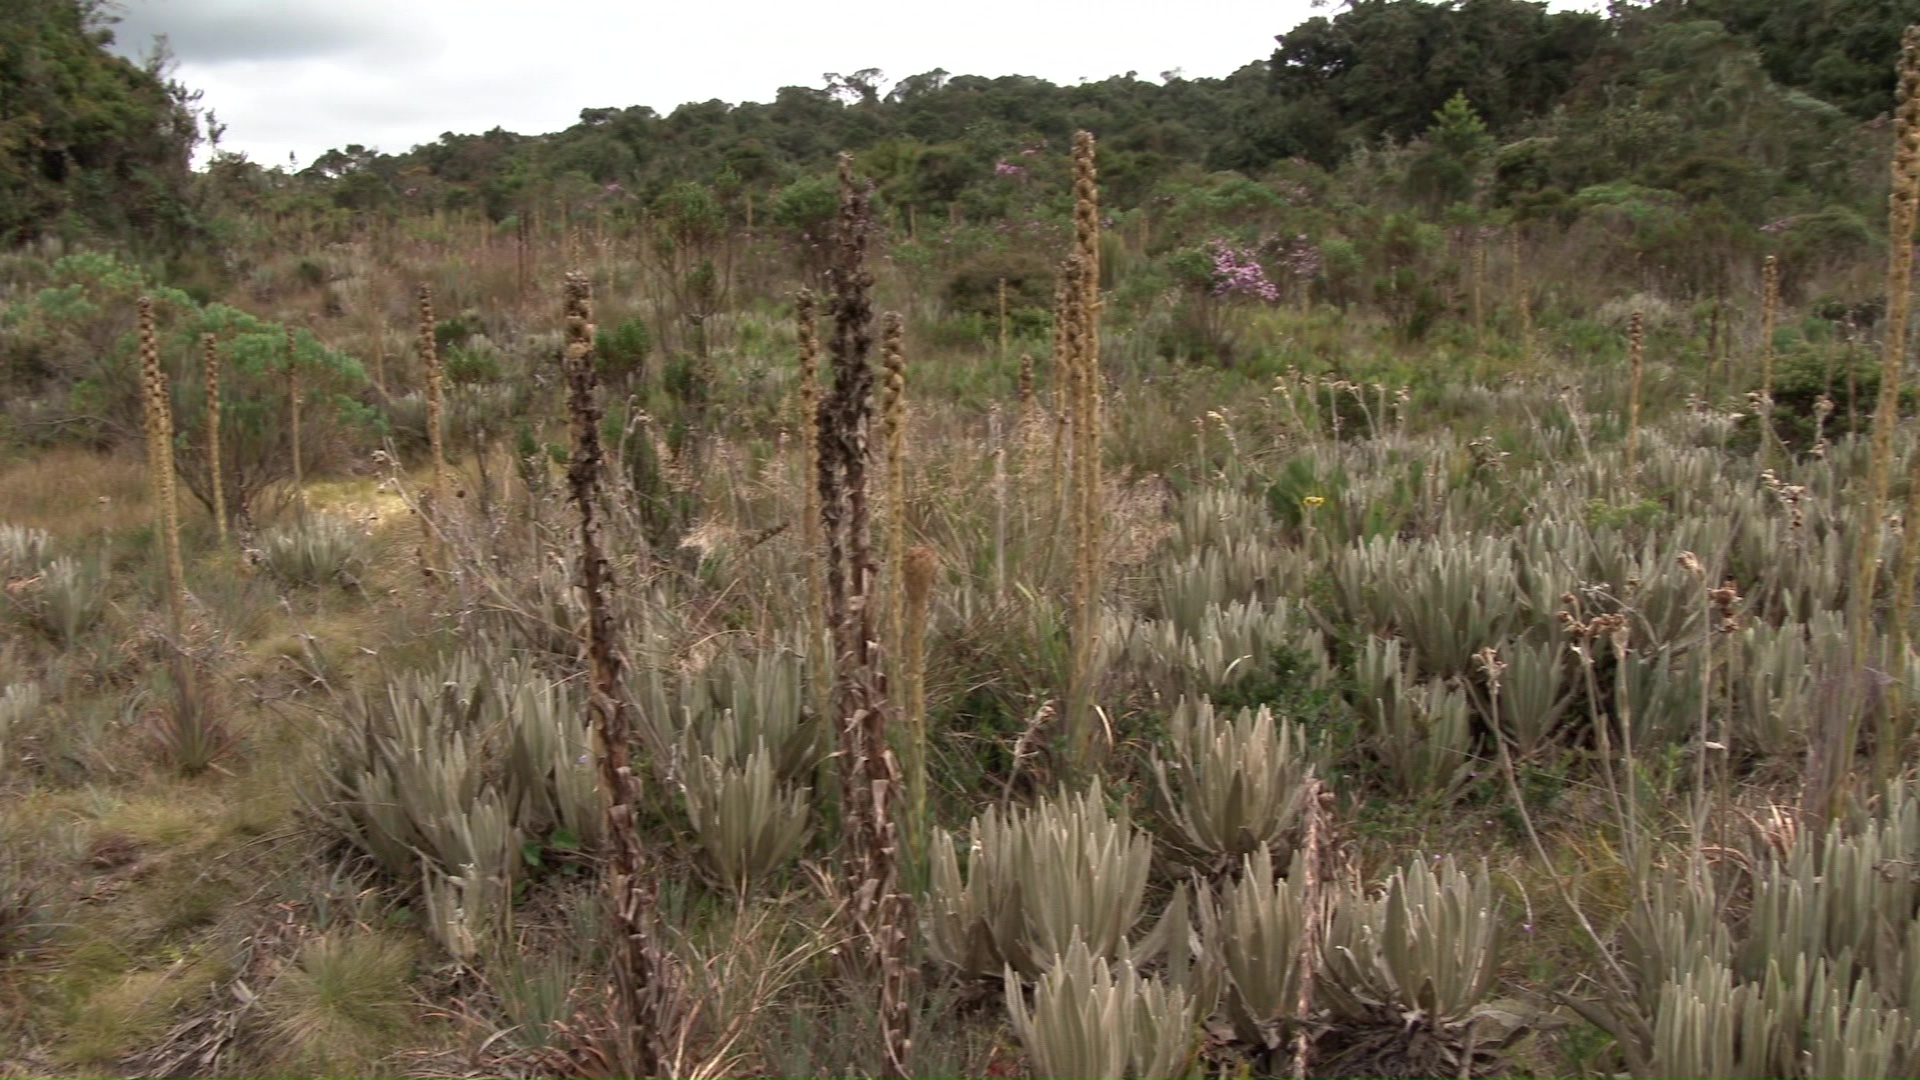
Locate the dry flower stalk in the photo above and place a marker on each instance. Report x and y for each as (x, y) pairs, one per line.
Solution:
(293, 405)
(214, 471)
(879, 914)
(1026, 390)
(819, 652)
(1082, 340)
(159, 424)
(1002, 295)
(1903, 208)
(1769, 317)
(1058, 487)
(893, 427)
(1899, 620)
(430, 366)
(1317, 873)
(920, 568)
(642, 972)
(1637, 360)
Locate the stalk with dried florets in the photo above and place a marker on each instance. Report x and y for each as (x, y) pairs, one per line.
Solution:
(1522, 302)
(293, 405)
(819, 651)
(430, 502)
(1637, 361)
(1083, 350)
(1902, 209)
(159, 424)
(642, 971)
(919, 570)
(431, 368)
(1002, 294)
(1769, 315)
(214, 471)
(893, 426)
(1059, 490)
(878, 913)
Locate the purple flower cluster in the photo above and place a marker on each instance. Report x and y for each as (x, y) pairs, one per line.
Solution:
(1236, 272)
(1005, 168)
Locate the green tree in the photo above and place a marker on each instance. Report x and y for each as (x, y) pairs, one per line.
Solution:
(1457, 146)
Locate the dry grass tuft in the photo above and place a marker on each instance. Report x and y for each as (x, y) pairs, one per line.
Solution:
(343, 1003)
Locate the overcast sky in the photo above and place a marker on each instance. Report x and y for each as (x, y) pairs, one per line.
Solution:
(303, 76)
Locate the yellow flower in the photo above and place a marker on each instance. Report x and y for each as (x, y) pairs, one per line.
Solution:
(1313, 502)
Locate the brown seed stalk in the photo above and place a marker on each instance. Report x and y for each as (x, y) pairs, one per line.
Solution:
(293, 405)
(642, 971)
(1083, 349)
(1637, 360)
(879, 914)
(1769, 315)
(920, 568)
(893, 425)
(214, 471)
(819, 652)
(159, 418)
(435, 376)
(1902, 209)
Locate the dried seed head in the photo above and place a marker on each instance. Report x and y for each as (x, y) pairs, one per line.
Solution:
(920, 567)
(1489, 660)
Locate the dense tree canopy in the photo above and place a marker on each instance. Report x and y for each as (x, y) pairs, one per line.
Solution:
(1840, 52)
(86, 138)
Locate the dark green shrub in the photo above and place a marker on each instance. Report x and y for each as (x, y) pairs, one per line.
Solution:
(621, 351)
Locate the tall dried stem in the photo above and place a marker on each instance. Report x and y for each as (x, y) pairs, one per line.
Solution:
(214, 471)
(1637, 360)
(642, 972)
(1769, 315)
(293, 407)
(1902, 208)
(430, 502)
(893, 425)
(920, 568)
(1522, 300)
(879, 915)
(819, 650)
(1083, 351)
(1002, 357)
(1060, 456)
(159, 424)
(430, 367)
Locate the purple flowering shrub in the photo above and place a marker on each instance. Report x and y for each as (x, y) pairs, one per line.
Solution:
(1237, 273)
